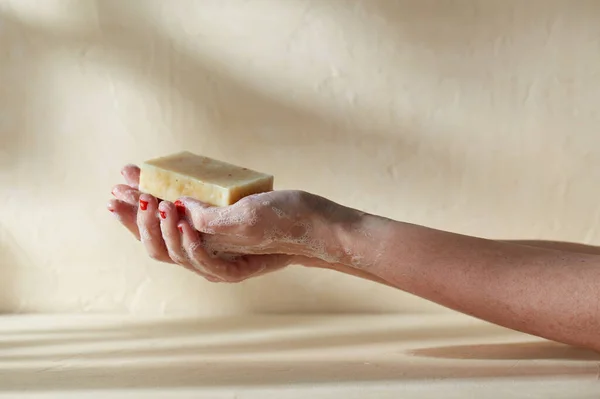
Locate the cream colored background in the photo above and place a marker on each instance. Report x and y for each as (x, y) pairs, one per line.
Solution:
(480, 117)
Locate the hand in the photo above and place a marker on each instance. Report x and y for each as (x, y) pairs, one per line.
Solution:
(259, 234)
(277, 222)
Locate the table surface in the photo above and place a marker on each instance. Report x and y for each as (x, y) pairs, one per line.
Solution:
(285, 356)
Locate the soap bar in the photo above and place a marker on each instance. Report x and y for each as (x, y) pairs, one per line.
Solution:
(185, 174)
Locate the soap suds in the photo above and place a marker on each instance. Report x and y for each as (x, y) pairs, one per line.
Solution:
(193, 247)
(228, 217)
(145, 235)
(280, 214)
(178, 258)
(292, 235)
(198, 264)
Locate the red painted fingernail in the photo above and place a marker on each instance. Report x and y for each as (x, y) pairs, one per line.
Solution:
(180, 207)
(143, 205)
(163, 214)
(180, 229)
(111, 210)
(113, 193)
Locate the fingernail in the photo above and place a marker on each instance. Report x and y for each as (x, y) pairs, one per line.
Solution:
(163, 214)
(111, 210)
(180, 207)
(180, 229)
(143, 205)
(113, 193)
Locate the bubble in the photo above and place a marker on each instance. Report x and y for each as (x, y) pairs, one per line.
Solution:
(193, 247)
(177, 258)
(145, 235)
(363, 232)
(356, 260)
(280, 214)
(229, 218)
(253, 218)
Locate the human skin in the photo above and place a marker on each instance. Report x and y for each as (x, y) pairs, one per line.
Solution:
(548, 289)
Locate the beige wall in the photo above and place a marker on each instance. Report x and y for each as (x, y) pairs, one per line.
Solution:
(480, 117)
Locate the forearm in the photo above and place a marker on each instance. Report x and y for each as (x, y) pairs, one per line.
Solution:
(550, 293)
(342, 268)
(558, 245)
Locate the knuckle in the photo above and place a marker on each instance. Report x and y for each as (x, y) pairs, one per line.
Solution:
(163, 206)
(156, 255)
(198, 219)
(145, 235)
(213, 279)
(247, 200)
(194, 247)
(235, 279)
(177, 258)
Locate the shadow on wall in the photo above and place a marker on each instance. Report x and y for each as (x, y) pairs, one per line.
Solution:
(122, 42)
(451, 28)
(10, 264)
(127, 42)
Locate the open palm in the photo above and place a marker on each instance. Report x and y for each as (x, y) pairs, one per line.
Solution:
(168, 236)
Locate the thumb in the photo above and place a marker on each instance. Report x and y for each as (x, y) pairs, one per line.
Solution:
(199, 214)
(131, 173)
(218, 220)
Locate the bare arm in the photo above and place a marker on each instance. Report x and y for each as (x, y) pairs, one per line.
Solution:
(543, 288)
(547, 289)
(558, 245)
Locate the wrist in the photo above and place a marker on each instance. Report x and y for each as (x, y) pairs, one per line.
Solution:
(341, 235)
(357, 240)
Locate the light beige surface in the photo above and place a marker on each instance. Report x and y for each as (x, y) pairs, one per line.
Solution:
(215, 182)
(479, 117)
(448, 356)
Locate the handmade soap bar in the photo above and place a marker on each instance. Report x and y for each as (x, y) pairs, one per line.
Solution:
(189, 175)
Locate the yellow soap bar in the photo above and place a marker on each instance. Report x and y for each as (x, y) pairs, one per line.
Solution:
(208, 180)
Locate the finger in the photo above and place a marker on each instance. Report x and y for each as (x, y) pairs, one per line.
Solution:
(126, 193)
(210, 219)
(170, 233)
(224, 243)
(232, 267)
(126, 214)
(199, 258)
(149, 226)
(131, 173)
(191, 209)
